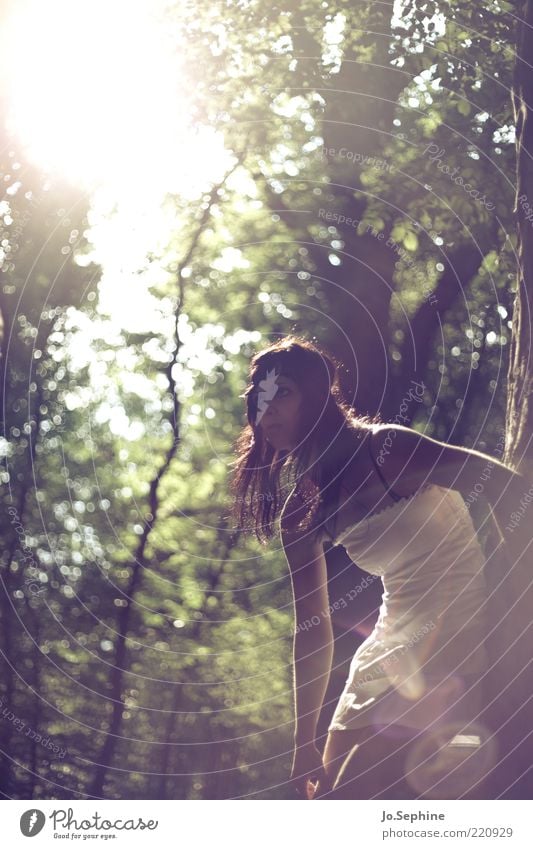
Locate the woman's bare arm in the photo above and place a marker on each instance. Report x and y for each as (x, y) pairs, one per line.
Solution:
(409, 460)
(313, 635)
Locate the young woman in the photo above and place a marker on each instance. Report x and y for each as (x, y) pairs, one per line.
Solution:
(394, 499)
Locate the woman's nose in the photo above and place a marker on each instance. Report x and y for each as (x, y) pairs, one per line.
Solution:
(272, 414)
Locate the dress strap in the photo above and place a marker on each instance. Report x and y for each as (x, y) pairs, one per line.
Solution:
(390, 491)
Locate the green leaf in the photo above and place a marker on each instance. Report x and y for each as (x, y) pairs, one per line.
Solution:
(410, 241)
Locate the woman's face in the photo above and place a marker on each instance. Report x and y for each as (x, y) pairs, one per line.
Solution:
(278, 405)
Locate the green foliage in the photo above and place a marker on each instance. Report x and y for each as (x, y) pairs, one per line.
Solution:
(126, 584)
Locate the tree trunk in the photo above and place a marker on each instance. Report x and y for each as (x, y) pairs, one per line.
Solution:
(139, 564)
(508, 572)
(519, 451)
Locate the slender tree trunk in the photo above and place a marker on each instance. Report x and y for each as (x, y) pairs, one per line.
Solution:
(8, 660)
(178, 695)
(37, 707)
(124, 623)
(170, 734)
(105, 756)
(10, 582)
(510, 679)
(519, 444)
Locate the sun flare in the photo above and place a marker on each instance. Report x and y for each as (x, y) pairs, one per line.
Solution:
(95, 91)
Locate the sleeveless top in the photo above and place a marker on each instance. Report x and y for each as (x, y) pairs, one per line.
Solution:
(431, 620)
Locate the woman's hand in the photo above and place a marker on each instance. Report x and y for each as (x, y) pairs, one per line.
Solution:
(307, 770)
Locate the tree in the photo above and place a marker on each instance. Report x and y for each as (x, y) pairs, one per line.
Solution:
(142, 635)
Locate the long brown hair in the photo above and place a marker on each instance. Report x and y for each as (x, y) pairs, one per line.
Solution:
(262, 474)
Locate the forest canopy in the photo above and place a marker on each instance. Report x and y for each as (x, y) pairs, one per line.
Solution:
(341, 170)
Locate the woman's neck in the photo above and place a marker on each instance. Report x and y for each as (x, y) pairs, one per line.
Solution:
(338, 454)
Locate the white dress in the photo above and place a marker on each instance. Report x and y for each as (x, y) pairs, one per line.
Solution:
(423, 662)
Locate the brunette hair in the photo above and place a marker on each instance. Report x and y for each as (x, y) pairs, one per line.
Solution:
(263, 475)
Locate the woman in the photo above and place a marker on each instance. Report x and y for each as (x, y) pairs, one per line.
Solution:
(394, 499)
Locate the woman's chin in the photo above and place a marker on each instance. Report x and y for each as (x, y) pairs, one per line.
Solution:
(279, 444)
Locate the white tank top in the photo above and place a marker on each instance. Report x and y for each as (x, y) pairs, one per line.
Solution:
(431, 619)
